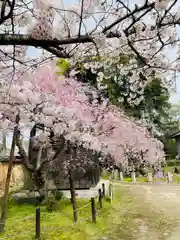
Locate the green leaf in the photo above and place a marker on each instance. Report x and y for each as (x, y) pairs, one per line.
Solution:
(124, 59)
(64, 65)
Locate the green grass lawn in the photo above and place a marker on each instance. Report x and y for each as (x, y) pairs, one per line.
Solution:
(176, 177)
(138, 179)
(59, 224)
(117, 220)
(168, 169)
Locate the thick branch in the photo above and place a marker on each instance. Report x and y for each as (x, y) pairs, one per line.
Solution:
(166, 12)
(50, 45)
(136, 10)
(57, 52)
(26, 40)
(81, 17)
(32, 134)
(21, 39)
(136, 20)
(10, 13)
(39, 156)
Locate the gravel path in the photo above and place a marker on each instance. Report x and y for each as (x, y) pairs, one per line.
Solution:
(163, 198)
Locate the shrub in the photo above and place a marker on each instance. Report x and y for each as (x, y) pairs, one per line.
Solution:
(176, 170)
(58, 196)
(172, 163)
(137, 173)
(52, 205)
(142, 171)
(107, 199)
(11, 201)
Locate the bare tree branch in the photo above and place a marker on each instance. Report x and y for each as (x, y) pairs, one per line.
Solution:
(136, 10)
(81, 17)
(3, 9)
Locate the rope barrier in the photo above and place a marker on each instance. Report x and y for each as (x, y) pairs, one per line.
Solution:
(58, 228)
(78, 209)
(65, 229)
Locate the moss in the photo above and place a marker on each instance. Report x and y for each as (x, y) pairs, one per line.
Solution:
(57, 224)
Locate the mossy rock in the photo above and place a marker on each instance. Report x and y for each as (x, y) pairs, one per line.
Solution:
(58, 196)
(176, 170)
(52, 205)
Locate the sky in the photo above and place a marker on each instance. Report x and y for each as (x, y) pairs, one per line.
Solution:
(175, 97)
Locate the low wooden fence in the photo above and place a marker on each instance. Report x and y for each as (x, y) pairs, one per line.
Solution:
(95, 204)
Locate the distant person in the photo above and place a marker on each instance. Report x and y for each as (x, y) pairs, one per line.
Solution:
(159, 174)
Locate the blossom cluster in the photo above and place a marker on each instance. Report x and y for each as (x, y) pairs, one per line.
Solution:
(73, 109)
(90, 28)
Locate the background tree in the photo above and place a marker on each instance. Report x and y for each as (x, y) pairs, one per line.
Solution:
(175, 111)
(171, 126)
(145, 99)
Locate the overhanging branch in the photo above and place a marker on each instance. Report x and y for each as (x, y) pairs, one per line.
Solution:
(53, 46)
(27, 40)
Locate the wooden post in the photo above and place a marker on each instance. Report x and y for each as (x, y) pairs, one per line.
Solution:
(103, 190)
(38, 223)
(93, 208)
(100, 198)
(8, 178)
(111, 192)
(73, 196)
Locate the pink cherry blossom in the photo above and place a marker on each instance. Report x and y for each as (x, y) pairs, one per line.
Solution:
(114, 131)
(63, 105)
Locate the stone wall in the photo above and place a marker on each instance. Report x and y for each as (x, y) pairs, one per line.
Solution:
(18, 176)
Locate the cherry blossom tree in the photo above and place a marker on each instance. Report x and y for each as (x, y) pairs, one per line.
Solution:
(78, 126)
(66, 109)
(71, 111)
(143, 30)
